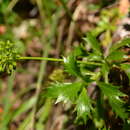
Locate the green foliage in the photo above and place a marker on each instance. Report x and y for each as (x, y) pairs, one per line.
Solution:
(64, 91)
(8, 57)
(106, 22)
(72, 92)
(94, 43)
(89, 67)
(89, 74)
(71, 65)
(116, 56)
(120, 44)
(7, 16)
(80, 51)
(114, 96)
(76, 92)
(91, 93)
(83, 106)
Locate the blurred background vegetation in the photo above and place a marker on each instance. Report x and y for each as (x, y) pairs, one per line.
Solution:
(48, 28)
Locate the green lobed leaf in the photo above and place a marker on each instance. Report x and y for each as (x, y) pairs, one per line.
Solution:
(113, 93)
(75, 69)
(83, 106)
(71, 65)
(94, 43)
(116, 56)
(64, 91)
(120, 44)
(80, 51)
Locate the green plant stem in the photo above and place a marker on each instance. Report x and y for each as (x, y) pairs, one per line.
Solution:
(58, 60)
(40, 58)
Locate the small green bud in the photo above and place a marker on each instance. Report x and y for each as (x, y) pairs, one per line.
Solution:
(8, 57)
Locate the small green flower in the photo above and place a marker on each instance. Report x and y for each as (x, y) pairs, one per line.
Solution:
(8, 57)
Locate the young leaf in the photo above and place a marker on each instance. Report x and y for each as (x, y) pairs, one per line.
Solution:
(64, 91)
(80, 51)
(93, 42)
(113, 93)
(122, 43)
(83, 106)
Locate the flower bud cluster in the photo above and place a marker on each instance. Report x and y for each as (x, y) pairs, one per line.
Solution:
(8, 57)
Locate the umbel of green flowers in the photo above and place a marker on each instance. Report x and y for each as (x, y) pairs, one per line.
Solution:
(8, 57)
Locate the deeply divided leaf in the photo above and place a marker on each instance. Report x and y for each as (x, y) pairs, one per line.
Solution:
(71, 65)
(94, 43)
(114, 96)
(120, 44)
(116, 56)
(83, 106)
(64, 91)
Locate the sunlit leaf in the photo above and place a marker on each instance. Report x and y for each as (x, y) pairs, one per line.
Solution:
(83, 106)
(64, 91)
